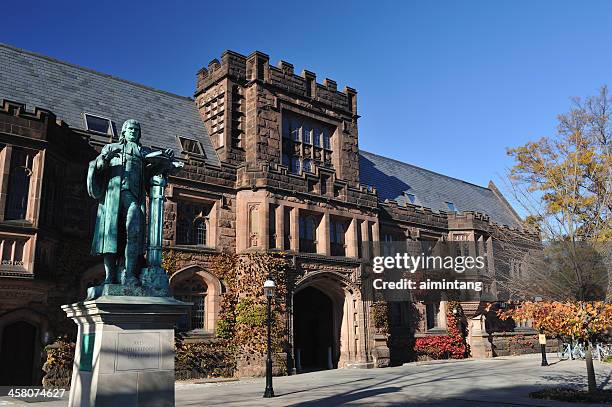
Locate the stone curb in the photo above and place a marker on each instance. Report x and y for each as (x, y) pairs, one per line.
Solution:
(210, 380)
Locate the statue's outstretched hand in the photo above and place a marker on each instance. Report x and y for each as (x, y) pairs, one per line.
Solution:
(169, 152)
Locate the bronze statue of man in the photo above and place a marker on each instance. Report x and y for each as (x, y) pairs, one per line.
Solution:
(119, 179)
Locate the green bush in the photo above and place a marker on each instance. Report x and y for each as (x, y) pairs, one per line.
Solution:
(250, 313)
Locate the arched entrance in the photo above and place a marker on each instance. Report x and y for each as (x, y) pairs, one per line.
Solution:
(327, 322)
(17, 354)
(314, 330)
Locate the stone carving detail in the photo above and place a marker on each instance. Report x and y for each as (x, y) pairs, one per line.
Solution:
(253, 212)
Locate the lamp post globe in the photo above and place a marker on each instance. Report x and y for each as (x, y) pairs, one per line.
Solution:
(269, 288)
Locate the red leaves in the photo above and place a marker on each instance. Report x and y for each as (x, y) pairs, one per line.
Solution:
(451, 346)
(440, 347)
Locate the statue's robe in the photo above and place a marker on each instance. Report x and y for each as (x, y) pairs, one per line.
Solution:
(105, 186)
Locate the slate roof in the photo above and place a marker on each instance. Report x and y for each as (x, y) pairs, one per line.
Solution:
(394, 179)
(69, 91)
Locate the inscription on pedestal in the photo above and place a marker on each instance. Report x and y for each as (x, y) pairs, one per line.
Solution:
(138, 351)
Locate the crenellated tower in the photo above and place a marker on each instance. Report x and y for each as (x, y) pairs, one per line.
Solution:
(262, 115)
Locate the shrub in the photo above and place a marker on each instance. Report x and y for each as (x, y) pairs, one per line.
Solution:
(380, 315)
(204, 360)
(58, 366)
(451, 346)
(440, 347)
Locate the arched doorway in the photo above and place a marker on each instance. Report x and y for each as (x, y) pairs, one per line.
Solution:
(17, 354)
(313, 330)
(324, 299)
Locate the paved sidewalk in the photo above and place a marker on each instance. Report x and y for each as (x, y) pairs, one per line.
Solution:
(504, 382)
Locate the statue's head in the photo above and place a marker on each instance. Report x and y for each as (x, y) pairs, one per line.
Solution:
(130, 131)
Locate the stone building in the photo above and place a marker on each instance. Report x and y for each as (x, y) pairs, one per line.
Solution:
(272, 163)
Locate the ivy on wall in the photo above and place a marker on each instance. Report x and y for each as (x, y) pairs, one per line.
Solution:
(451, 346)
(380, 316)
(243, 317)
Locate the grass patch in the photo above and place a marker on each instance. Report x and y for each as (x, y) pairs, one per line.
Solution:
(573, 395)
(608, 359)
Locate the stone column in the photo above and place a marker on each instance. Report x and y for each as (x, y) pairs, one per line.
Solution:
(125, 351)
(323, 243)
(442, 310)
(376, 238)
(280, 227)
(295, 229)
(352, 240)
(365, 239)
(35, 190)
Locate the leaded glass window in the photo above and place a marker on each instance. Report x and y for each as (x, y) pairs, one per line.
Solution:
(192, 290)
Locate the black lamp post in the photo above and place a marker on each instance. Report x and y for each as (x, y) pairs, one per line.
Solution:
(269, 287)
(542, 339)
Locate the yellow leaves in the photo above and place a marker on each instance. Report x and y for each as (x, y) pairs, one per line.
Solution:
(577, 320)
(566, 178)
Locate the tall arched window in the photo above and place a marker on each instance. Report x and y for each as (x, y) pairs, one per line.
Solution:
(192, 290)
(192, 225)
(308, 227)
(19, 184)
(337, 229)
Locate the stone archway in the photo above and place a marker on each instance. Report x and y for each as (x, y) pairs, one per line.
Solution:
(23, 333)
(341, 311)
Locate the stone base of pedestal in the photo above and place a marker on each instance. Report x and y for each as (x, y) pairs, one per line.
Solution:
(121, 290)
(381, 353)
(125, 351)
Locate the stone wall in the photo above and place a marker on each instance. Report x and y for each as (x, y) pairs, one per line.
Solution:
(518, 343)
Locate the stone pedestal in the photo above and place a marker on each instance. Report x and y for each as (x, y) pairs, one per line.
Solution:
(125, 351)
(478, 338)
(380, 353)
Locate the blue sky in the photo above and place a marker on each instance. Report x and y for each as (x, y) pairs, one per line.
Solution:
(445, 85)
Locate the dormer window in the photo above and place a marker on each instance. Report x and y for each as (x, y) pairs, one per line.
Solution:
(451, 206)
(411, 198)
(100, 125)
(191, 146)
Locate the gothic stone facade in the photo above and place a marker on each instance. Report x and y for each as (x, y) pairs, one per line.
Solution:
(272, 164)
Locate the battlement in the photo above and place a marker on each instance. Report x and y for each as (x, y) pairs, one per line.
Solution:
(16, 119)
(19, 110)
(452, 220)
(256, 67)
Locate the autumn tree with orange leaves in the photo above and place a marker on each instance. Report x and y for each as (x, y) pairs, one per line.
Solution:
(564, 185)
(585, 322)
